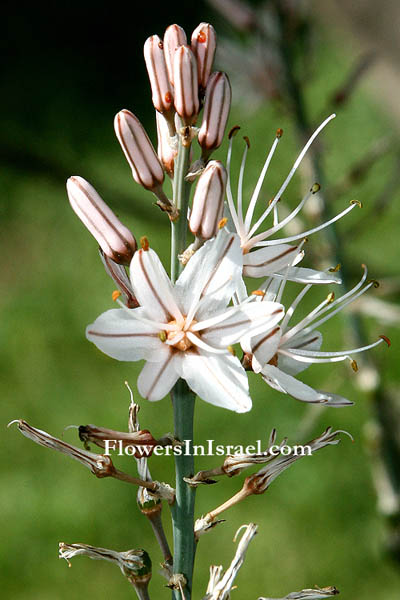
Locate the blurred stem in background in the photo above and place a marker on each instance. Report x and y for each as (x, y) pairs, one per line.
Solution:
(285, 37)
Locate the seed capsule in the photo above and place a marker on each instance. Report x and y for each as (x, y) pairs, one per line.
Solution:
(139, 151)
(174, 37)
(161, 90)
(186, 85)
(116, 241)
(204, 43)
(216, 112)
(208, 201)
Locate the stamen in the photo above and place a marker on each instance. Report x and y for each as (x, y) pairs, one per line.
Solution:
(258, 293)
(308, 319)
(320, 354)
(222, 223)
(386, 339)
(354, 366)
(309, 359)
(293, 306)
(292, 238)
(229, 196)
(279, 132)
(285, 278)
(144, 242)
(335, 269)
(115, 295)
(163, 336)
(291, 173)
(242, 232)
(257, 189)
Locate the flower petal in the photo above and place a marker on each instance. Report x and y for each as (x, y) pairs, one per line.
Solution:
(219, 380)
(304, 340)
(299, 390)
(304, 275)
(211, 273)
(249, 319)
(152, 287)
(269, 260)
(122, 337)
(264, 347)
(157, 379)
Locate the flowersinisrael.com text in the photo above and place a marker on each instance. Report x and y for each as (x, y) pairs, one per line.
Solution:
(208, 449)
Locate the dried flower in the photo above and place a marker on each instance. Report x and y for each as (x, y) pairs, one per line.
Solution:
(167, 147)
(315, 593)
(116, 241)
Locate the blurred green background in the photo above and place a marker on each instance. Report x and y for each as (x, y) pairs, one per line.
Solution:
(65, 75)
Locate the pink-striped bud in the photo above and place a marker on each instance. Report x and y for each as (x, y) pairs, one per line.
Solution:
(208, 201)
(216, 112)
(174, 37)
(166, 150)
(116, 241)
(204, 43)
(139, 151)
(186, 85)
(161, 90)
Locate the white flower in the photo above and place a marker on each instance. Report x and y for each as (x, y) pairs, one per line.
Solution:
(282, 352)
(185, 330)
(264, 256)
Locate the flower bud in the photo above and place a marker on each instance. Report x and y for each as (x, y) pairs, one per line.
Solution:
(208, 201)
(139, 151)
(174, 37)
(216, 112)
(204, 43)
(161, 90)
(166, 150)
(116, 241)
(186, 85)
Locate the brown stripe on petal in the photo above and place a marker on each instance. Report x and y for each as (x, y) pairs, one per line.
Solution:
(228, 247)
(306, 343)
(265, 338)
(153, 289)
(272, 260)
(121, 335)
(160, 373)
(227, 325)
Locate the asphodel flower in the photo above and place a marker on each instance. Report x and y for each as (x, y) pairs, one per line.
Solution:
(186, 86)
(216, 111)
(174, 37)
(208, 201)
(284, 351)
(264, 256)
(187, 330)
(204, 44)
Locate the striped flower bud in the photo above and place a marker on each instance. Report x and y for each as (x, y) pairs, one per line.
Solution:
(166, 150)
(186, 85)
(161, 90)
(116, 241)
(204, 43)
(139, 151)
(208, 201)
(174, 37)
(216, 112)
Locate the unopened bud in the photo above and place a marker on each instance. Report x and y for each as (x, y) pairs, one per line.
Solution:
(216, 112)
(139, 151)
(208, 201)
(116, 241)
(161, 90)
(167, 151)
(204, 43)
(186, 85)
(174, 37)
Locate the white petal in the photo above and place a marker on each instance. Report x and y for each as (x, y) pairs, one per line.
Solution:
(304, 275)
(251, 318)
(157, 379)
(122, 337)
(269, 260)
(152, 287)
(213, 272)
(264, 347)
(219, 380)
(304, 340)
(299, 390)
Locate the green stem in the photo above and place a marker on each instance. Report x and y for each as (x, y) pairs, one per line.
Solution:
(183, 508)
(181, 191)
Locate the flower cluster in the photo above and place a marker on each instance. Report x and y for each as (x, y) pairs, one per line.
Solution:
(187, 328)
